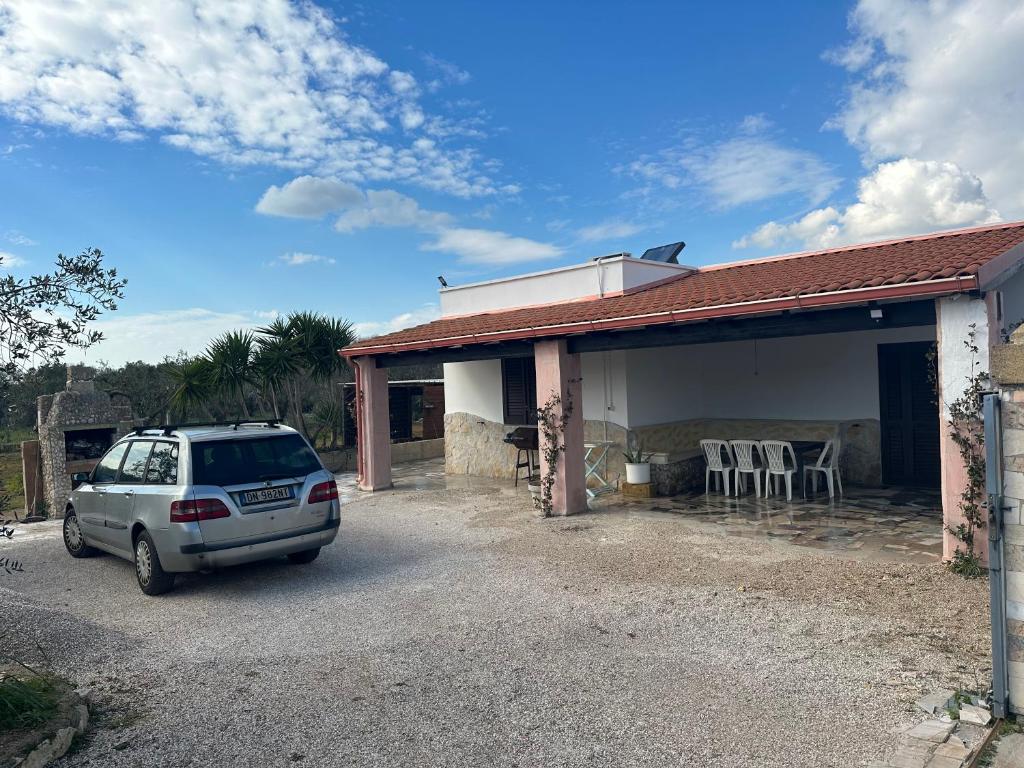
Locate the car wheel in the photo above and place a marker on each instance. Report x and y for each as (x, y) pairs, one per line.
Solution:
(305, 556)
(74, 541)
(153, 579)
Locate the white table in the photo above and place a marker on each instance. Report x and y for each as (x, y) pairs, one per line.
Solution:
(595, 460)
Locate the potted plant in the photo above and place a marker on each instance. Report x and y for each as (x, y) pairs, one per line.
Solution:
(638, 464)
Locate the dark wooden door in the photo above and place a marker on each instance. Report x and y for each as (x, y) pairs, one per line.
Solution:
(909, 415)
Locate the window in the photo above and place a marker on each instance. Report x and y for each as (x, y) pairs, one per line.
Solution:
(519, 390)
(106, 470)
(163, 465)
(134, 466)
(235, 462)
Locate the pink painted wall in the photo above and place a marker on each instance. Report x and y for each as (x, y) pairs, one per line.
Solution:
(374, 425)
(558, 372)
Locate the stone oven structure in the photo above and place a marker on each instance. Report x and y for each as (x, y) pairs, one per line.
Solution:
(76, 427)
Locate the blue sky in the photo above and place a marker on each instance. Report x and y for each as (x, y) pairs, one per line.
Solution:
(337, 157)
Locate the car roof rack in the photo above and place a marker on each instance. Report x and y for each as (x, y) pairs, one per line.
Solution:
(166, 429)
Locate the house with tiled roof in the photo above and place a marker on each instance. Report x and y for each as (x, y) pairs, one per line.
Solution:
(863, 345)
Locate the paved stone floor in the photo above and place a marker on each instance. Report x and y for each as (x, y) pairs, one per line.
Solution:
(883, 523)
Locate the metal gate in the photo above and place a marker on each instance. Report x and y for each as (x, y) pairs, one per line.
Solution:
(996, 573)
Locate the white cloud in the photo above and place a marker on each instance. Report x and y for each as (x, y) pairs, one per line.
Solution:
(746, 168)
(424, 314)
(10, 261)
(904, 197)
(267, 82)
(298, 259)
(308, 197)
(941, 81)
(608, 230)
(387, 208)
(152, 336)
(447, 73)
(935, 107)
(18, 238)
(490, 247)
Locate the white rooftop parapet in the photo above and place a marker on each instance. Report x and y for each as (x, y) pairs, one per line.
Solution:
(607, 276)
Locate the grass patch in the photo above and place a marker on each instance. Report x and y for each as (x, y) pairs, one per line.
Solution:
(10, 475)
(27, 701)
(988, 755)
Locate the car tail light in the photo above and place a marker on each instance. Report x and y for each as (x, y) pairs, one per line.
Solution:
(194, 510)
(323, 492)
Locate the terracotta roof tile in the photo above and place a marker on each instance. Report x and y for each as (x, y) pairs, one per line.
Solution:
(894, 263)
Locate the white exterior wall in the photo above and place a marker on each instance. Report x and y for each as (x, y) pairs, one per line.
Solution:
(475, 388)
(578, 282)
(604, 387)
(827, 377)
(830, 377)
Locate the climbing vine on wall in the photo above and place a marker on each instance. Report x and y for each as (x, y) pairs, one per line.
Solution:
(967, 430)
(552, 426)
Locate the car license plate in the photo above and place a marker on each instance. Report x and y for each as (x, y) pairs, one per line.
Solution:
(263, 495)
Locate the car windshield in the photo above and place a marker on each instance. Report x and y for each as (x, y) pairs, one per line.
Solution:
(251, 460)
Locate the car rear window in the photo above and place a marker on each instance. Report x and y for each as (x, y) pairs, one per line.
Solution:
(251, 460)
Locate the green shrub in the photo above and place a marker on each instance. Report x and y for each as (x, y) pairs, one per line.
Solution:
(27, 701)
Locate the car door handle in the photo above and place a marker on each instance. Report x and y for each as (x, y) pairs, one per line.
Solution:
(129, 493)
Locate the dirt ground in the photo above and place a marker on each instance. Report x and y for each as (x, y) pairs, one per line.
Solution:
(454, 628)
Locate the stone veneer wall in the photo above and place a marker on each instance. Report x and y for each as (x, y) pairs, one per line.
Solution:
(860, 440)
(473, 446)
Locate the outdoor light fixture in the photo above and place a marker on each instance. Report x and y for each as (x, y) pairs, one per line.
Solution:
(876, 314)
(442, 281)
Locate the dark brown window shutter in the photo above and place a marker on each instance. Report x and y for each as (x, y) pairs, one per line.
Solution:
(519, 390)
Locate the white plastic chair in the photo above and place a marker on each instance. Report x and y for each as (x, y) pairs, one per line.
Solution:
(714, 451)
(775, 454)
(745, 452)
(828, 465)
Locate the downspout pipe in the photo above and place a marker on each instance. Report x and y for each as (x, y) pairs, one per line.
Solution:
(996, 574)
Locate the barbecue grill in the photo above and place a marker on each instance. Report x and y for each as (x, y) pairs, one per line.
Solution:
(525, 441)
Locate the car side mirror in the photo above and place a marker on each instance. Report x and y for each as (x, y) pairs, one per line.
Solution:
(78, 478)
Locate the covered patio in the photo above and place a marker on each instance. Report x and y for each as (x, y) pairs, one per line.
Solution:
(863, 347)
(870, 523)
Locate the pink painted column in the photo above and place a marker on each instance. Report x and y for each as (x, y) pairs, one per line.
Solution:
(950, 335)
(558, 373)
(373, 424)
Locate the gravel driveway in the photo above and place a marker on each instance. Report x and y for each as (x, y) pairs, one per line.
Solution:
(452, 628)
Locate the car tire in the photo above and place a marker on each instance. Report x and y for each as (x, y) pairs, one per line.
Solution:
(74, 541)
(305, 556)
(153, 579)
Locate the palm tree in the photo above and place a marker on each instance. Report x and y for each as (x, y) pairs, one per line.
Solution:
(230, 358)
(302, 348)
(275, 361)
(192, 386)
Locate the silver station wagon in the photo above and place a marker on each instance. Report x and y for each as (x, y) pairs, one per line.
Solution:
(197, 498)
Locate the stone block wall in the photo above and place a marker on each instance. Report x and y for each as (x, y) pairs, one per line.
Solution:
(79, 406)
(1007, 366)
(1013, 538)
